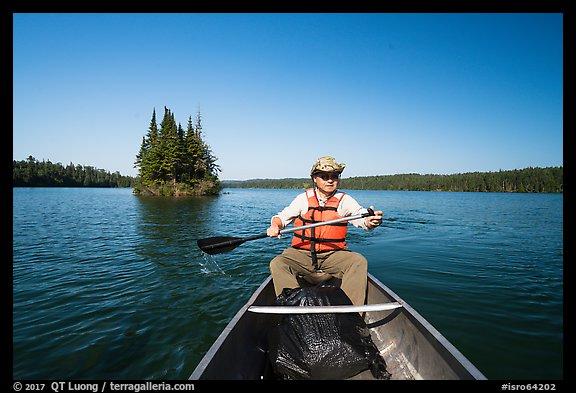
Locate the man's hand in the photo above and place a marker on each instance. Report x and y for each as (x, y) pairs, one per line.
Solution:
(275, 228)
(273, 231)
(375, 220)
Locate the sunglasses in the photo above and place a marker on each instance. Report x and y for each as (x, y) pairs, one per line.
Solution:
(329, 176)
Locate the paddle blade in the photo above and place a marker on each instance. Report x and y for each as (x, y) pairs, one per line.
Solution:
(219, 244)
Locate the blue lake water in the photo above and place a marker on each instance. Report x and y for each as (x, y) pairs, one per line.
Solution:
(109, 285)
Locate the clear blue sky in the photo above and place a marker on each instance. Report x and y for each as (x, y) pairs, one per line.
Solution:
(383, 93)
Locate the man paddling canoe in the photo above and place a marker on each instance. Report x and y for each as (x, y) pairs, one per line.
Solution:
(322, 249)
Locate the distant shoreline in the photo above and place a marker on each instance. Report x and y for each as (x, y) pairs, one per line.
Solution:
(528, 180)
(32, 173)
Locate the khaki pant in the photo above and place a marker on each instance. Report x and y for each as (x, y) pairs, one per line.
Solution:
(351, 267)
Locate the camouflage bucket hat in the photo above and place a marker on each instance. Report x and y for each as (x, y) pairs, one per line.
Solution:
(326, 164)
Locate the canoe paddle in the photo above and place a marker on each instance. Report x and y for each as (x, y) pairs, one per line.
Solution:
(221, 244)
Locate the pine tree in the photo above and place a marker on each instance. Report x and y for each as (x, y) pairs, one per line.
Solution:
(148, 158)
(169, 145)
(190, 143)
(206, 163)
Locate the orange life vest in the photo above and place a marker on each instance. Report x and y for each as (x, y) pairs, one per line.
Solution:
(325, 237)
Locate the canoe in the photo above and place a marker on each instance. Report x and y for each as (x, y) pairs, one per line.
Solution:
(412, 348)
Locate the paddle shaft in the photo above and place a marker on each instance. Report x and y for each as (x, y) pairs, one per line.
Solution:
(223, 244)
(329, 222)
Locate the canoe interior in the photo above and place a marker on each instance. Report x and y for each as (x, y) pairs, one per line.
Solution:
(411, 347)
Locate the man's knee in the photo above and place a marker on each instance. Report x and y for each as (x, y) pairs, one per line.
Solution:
(276, 264)
(359, 261)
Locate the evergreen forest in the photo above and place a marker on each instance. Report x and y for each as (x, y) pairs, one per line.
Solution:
(528, 180)
(34, 173)
(173, 161)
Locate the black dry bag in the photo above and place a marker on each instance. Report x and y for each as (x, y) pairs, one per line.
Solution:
(322, 346)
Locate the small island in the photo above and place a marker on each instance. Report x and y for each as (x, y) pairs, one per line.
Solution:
(174, 162)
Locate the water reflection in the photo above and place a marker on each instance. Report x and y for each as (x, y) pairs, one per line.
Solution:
(169, 227)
